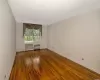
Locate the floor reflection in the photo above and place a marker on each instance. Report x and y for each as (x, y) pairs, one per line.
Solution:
(33, 61)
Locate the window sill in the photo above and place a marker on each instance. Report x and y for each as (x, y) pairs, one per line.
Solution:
(31, 42)
(28, 42)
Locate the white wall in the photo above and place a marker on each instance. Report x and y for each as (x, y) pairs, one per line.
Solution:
(7, 40)
(20, 46)
(77, 38)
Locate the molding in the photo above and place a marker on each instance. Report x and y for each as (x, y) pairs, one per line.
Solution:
(75, 63)
(30, 50)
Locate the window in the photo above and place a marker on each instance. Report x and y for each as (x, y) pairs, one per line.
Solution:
(32, 32)
(32, 35)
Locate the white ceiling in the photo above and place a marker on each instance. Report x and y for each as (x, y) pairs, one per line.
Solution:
(49, 11)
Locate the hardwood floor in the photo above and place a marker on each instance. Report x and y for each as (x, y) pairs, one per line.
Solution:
(47, 65)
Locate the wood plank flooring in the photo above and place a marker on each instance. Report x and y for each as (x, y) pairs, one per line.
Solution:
(47, 65)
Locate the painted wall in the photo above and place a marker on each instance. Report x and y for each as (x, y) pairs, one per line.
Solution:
(20, 46)
(7, 40)
(77, 38)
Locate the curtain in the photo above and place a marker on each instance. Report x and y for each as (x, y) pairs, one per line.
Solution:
(32, 26)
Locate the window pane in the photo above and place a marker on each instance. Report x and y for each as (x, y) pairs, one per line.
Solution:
(32, 35)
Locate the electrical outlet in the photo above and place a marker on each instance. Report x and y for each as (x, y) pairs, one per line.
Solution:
(5, 77)
(82, 58)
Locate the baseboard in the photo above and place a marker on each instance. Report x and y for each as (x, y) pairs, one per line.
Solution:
(12, 67)
(76, 63)
(64, 58)
(30, 50)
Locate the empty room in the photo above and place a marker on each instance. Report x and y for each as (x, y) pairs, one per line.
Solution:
(50, 40)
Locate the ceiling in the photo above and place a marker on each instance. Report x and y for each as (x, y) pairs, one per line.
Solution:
(49, 11)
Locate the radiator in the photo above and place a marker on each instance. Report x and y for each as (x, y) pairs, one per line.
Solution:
(29, 47)
(32, 47)
(37, 47)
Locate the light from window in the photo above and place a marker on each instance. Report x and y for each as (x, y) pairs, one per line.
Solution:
(32, 35)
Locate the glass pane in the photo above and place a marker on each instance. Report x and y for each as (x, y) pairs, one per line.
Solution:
(32, 35)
